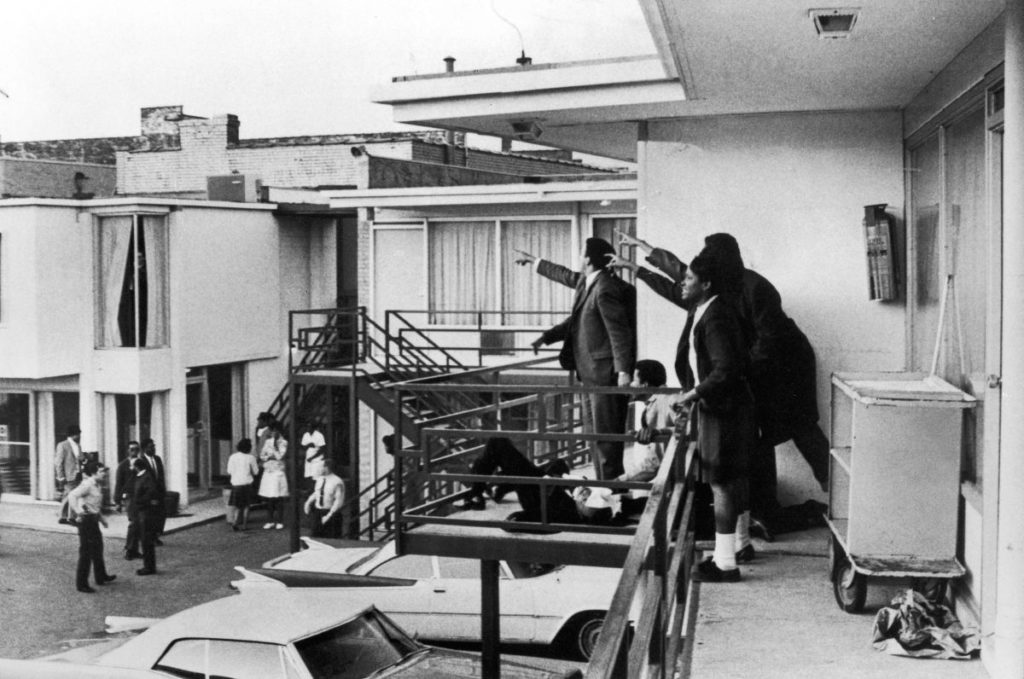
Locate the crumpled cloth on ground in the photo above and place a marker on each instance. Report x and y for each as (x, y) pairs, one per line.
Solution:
(914, 626)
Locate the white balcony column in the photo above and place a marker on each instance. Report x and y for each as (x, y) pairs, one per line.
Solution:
(1009, 622)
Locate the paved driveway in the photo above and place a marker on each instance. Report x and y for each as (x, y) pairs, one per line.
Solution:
(41, 612)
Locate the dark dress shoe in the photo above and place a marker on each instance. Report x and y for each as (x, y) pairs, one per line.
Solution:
(746, 555)
(109, 578)
(87, 590)
(128, 556)
(145, 571)
(158, 542)
(473, 503)
(708, 571)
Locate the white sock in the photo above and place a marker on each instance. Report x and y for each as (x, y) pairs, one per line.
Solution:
(725, 551)
(742, 530)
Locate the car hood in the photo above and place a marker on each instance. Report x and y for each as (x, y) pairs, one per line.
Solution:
(325, 560)
(439, 663)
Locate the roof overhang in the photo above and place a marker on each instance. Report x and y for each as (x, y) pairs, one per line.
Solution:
(444, 196)
(715, 57)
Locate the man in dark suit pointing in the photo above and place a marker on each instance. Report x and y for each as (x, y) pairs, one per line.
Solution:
(599, 343)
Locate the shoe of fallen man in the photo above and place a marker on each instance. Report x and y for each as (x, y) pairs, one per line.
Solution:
(746, 555)
(473, 503)
(708, 571)
(145, 571)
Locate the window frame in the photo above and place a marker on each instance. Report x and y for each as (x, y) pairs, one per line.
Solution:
(982, 96)
(136, 214)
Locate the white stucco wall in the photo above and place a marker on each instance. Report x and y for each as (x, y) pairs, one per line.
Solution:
(45, 291)
(791, 189)
(225, 264)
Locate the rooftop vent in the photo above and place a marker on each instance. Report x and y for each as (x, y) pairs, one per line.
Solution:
(834, 23)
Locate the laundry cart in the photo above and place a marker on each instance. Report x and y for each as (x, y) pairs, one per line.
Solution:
(894, 482)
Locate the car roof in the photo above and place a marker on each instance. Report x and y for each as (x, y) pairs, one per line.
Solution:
(272, 617)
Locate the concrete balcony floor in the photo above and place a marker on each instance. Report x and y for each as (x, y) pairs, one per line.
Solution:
(782, 621)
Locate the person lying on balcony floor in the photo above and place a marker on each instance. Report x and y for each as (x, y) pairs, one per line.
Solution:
(583, 505)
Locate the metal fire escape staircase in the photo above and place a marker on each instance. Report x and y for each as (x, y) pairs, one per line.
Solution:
(347, 348)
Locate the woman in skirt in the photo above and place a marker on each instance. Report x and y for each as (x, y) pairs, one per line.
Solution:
(274, 483)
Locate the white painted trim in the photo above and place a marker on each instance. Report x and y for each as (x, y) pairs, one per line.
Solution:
(506, 82)
(555, 192)
(132, 204)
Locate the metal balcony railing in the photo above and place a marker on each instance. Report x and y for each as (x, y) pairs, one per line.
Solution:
(655, 568)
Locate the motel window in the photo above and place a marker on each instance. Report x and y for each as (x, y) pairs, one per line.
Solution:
(131, 280)
(950, 228)
(472, 270)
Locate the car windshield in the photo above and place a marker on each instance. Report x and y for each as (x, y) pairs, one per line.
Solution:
(522, 569)
(356, 649)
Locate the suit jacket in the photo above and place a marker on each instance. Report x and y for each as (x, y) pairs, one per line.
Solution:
(721, 359)
(124, 481)
(158, 473)
(599, 336)
(65, 463)
(146, 495)
(782, 363)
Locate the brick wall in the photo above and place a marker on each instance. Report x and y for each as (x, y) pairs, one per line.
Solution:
(50, 179)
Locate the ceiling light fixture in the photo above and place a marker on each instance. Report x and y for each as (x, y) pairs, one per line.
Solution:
(834, 23)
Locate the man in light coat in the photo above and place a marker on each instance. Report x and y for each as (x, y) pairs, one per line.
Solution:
(67, 465)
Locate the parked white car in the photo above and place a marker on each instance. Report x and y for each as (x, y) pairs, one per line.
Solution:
(280, 635)
(438, 597)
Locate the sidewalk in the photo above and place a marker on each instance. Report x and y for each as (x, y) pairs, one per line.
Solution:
(783, 622)
(43, 516)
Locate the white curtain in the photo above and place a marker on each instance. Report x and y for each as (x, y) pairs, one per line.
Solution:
(968, 243)
(926, 193)
(522, 289)
(115, 239)
(605, 227)
(462, 271)
(155, 234)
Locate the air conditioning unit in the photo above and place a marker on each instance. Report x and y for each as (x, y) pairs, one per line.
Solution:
(233, 188)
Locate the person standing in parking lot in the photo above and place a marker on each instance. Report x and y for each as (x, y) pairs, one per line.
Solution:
(67, 463)
(124, 488)
(324, 505)
(86, 500)
(156, 468)
(274, 482)
(146, 498)
(242, 468)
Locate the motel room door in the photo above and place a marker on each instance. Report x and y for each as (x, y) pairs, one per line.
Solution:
(399, 269)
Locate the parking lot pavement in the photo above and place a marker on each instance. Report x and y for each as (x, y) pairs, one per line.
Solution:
(41, 613)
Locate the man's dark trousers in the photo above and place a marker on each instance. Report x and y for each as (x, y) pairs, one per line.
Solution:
(90, 551)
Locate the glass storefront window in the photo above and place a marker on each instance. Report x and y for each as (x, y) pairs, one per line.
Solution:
(15, 443)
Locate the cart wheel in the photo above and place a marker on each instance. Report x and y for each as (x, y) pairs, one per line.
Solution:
(932, 589)
(834, 551)
(849, 586)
